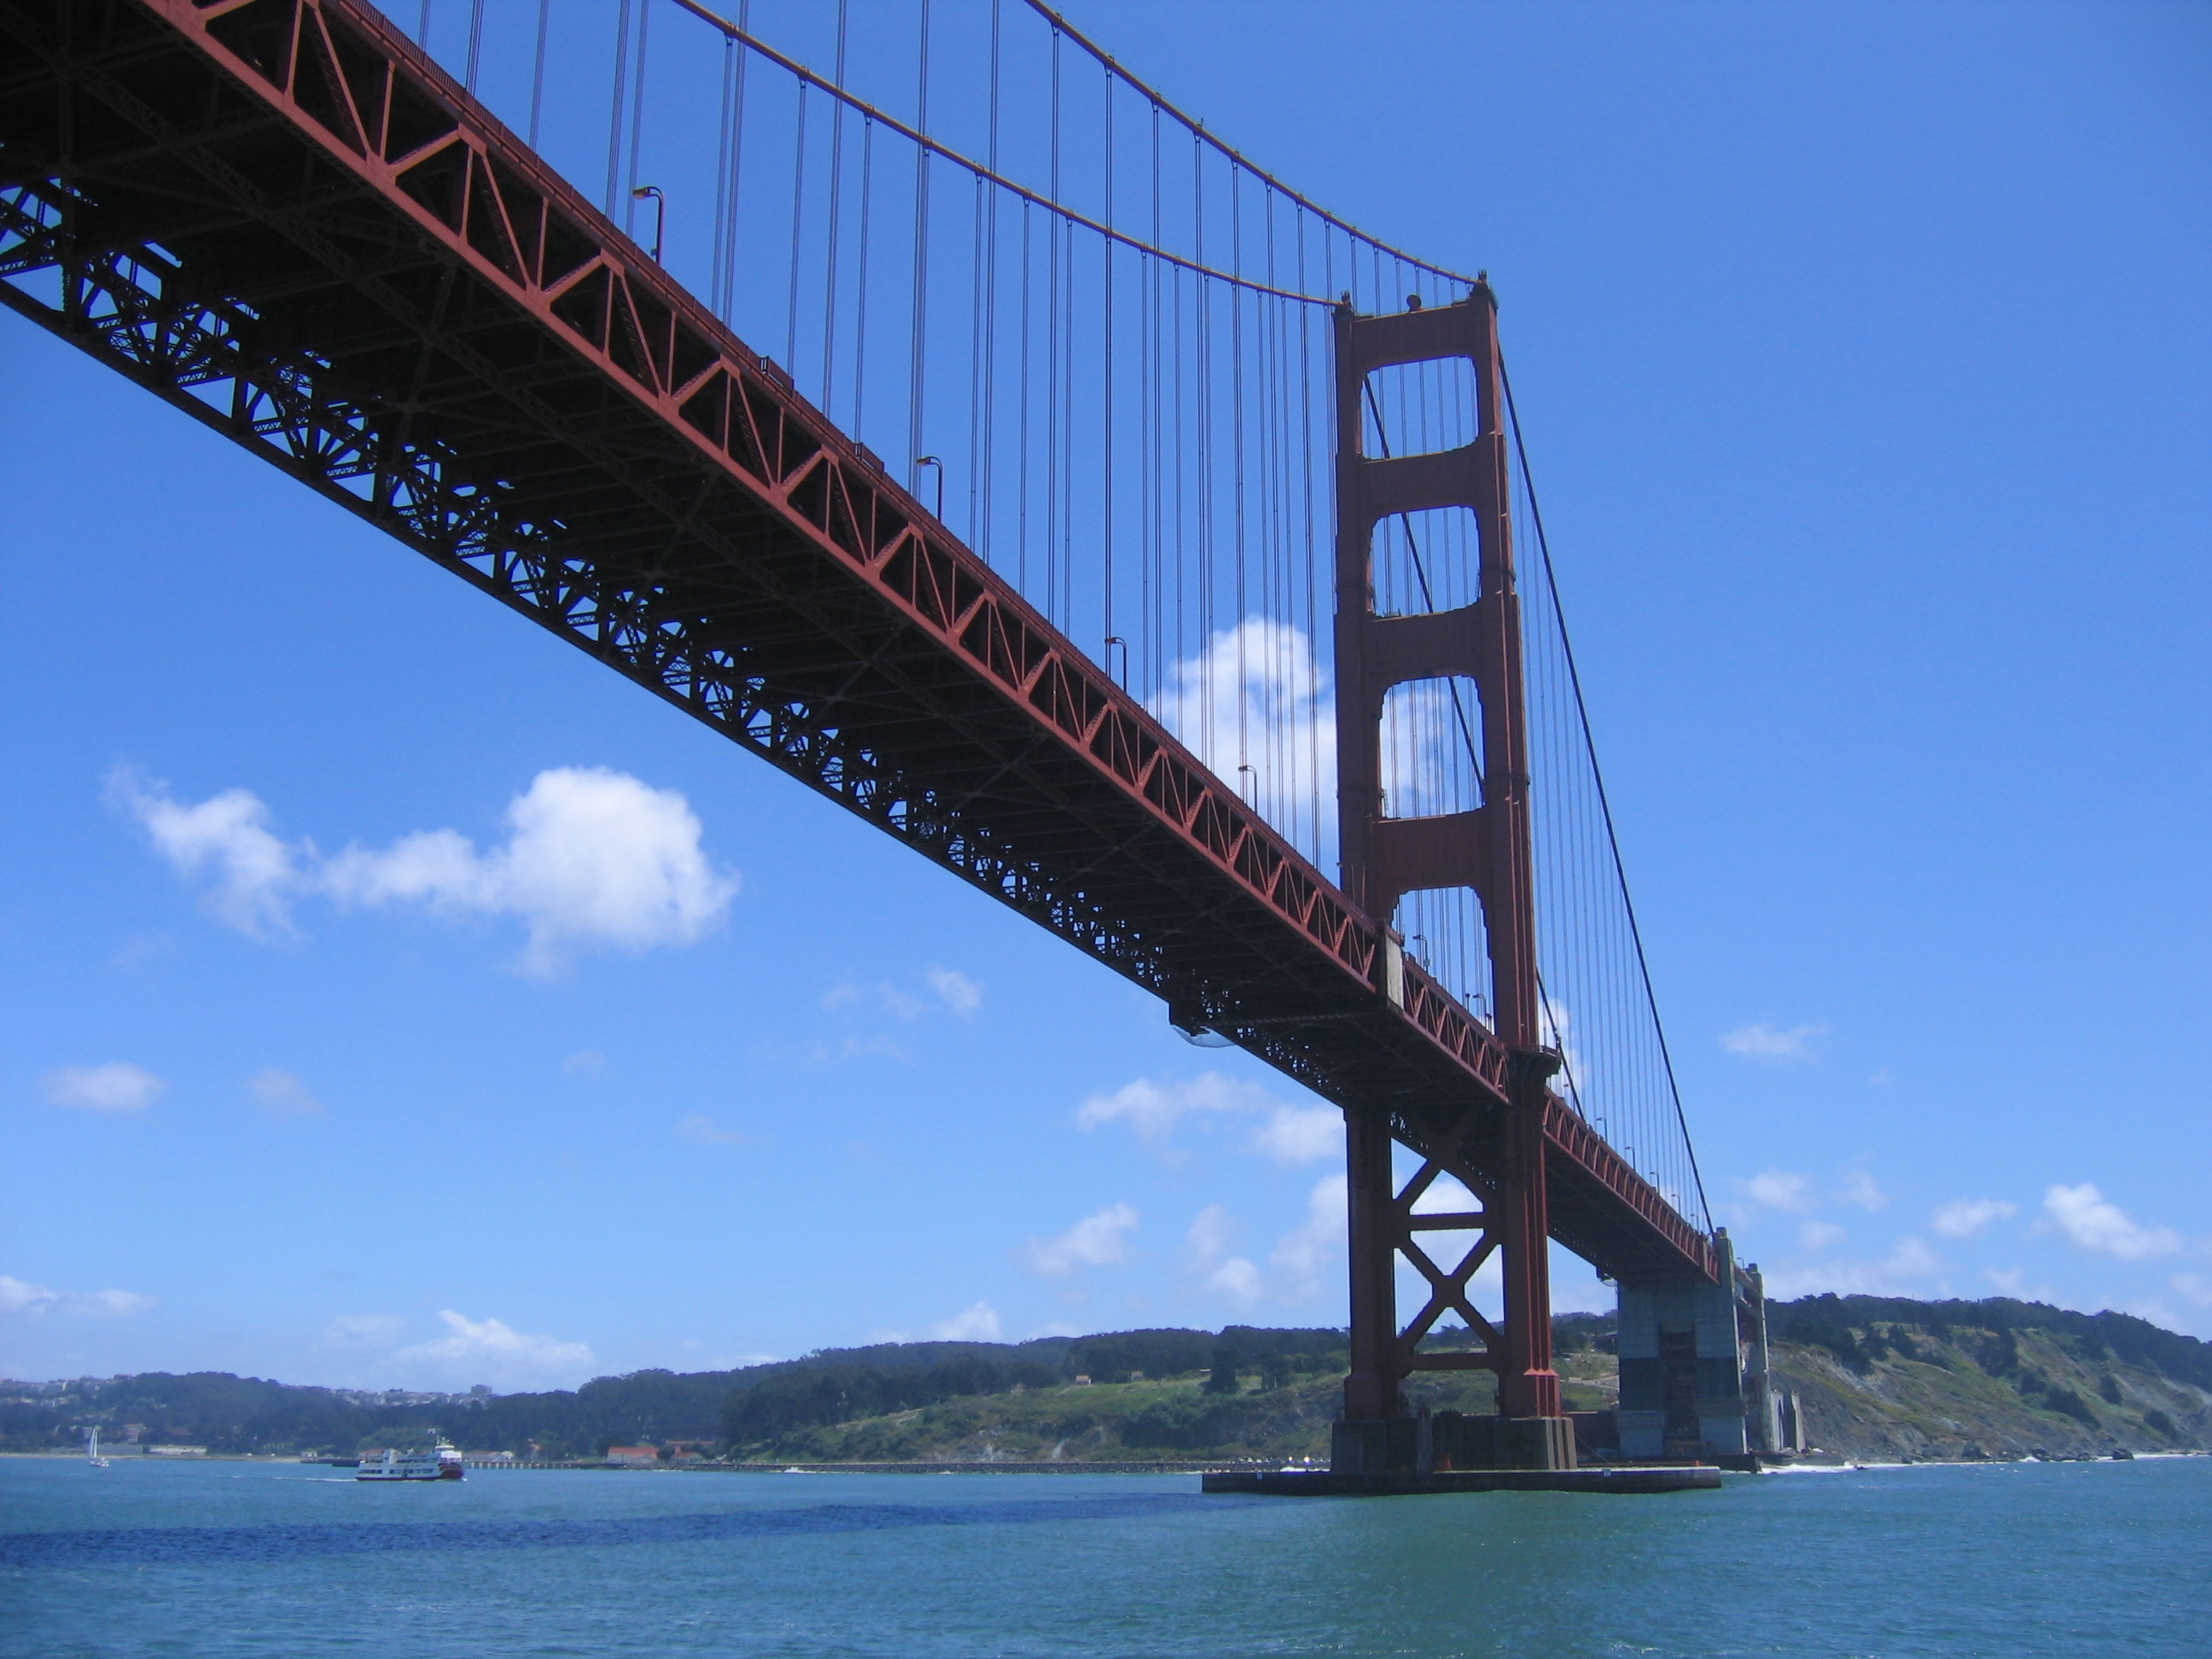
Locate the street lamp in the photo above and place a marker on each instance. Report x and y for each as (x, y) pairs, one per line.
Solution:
(920, 461)
(659, 213)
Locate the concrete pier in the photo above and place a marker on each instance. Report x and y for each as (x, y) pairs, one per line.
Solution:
(1329, 1483)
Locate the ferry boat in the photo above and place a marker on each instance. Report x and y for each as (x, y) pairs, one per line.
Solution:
(440, 1462)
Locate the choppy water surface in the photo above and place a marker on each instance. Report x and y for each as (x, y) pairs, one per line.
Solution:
(243, 1559)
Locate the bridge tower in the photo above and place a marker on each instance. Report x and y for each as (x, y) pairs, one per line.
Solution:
(1486, 849)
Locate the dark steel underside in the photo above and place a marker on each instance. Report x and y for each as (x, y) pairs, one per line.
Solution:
(283, 219)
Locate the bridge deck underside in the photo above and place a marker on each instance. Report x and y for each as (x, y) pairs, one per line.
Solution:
(283, 220)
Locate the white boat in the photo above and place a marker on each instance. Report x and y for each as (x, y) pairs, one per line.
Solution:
(92, 1451)
(442, 1461)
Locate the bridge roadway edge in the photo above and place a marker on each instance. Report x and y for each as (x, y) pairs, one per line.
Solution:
(387, 339)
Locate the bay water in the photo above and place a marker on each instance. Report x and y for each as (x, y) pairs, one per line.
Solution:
(238, 1559)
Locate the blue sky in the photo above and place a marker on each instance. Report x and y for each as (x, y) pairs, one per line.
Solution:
(388, 994)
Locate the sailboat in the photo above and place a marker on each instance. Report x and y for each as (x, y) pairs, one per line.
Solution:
(92, 1451)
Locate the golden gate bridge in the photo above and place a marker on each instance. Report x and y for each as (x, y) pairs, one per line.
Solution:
(974, 435)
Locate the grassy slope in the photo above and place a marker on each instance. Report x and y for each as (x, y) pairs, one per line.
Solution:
(1943, 1403)
(1955, 1397)
(1165, 1417)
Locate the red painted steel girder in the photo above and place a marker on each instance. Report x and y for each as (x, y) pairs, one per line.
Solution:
(282, 217)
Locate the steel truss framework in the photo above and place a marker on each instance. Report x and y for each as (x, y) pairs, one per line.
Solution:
(283, 218)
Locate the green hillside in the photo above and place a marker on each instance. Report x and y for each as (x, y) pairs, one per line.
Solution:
(1877, 1378)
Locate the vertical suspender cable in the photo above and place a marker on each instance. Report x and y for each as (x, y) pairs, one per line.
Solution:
(537, 71)
(837, 192)
(861, 284)
(615, 123)
(476, 43)
(797, 224)
(735, 164)
(1106, 254)
(919, 293)
(1581, 712)
(636, 112)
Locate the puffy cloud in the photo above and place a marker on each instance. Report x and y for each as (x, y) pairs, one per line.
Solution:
(953, 989)
(2090, 1222)
(977, 1324)
(1212, 1232)
(1778, 1189)
(1962, 1217)
(1304, 1258)
(592, 857)
(1905, 1271)
(363, 1331)
(1818, 1235)
(702, 1131)
(1300, 1134)
(491, 1351)
(1773, 1045)
(19, 1297)
(1099, 1240)
(283, 1093)
(1281, 726)
(1859, 1188)
(254, 872)
(962, 995)
(1153, 1109)
(115, 1087)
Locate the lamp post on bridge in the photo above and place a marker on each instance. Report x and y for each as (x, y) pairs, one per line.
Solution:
(653, 193)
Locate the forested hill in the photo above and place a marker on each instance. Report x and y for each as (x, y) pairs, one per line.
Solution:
(1878, 1377)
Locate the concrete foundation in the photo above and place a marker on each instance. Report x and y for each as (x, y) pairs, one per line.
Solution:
(1447, 1441)
(1694, 1376)
(1329, 1483)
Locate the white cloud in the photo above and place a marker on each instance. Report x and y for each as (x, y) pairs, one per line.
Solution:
(19, 1297)
(962, 995)
(977, 1324)
(1301, 1135)
(1153, 1109)
(1904, 1271)
(702, 1131)
(254, 872)
(115, 1302)
(1283, 726)
(283, 1093)
(1773, 1045)
(1778, 1189)
(588, 1062)
(1817, 1236)
(1446, 1196)
(115, 1087)
(1962, 1217)
(2194, 1288)
(492, 1352)
(1099, 1240)
(1212, 1232)
(2091, 1221)
(16, 1296)
(363, 1330)
(1859, 1188)
(1304, 1258)
(594, 857)
(1236, 1278)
